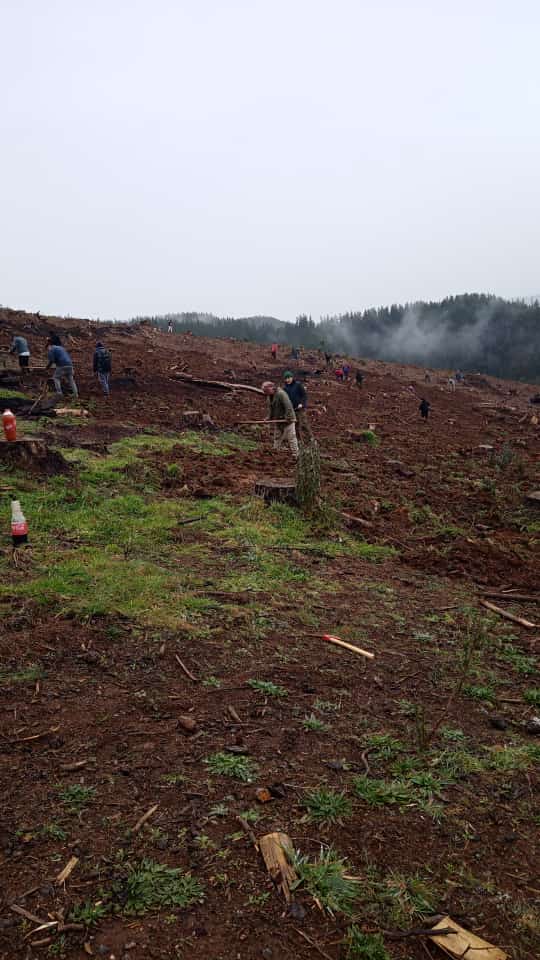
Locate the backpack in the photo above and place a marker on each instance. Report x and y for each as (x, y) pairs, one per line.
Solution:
(104, 361)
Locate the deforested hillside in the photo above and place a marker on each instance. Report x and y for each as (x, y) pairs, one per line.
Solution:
(172, 696)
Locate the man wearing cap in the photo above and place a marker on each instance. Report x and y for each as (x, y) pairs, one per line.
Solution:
(297, 394)
(281, 410)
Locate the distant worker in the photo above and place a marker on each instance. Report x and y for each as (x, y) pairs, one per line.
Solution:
(273, 351)
(424, 409)
(297, 394)
(19, 347)
(295, 353)
(427, 376)
(459, 376)
(327, 358)
(281, 410)
(103, 366)
(346, 370)
(339, 374)
(169, 327)
(59, 358)
(359, 378)
(451, 383)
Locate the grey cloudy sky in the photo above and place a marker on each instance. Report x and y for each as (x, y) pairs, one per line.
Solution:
(266, 156)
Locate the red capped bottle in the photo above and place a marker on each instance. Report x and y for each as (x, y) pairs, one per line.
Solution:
(19, 526)
(9, 423)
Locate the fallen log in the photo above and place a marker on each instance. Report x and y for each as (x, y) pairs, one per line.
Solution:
(273, 848)
(214, 384)
(462, 944)
(507, 615)
(497, 595)
(359, 520)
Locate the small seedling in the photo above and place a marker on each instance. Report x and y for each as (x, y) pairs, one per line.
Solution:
(327, 806)
(312, 722)
(153, 885)
(479, 692)
(378, 793)
(53, 831)
(532, 696)
(231, 765)
(365, 946)
(76, 796)
(268, 688)
(212, 682)
(88, 913)
(326, 879)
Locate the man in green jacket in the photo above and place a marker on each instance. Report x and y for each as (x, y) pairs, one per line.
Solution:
(281, 410)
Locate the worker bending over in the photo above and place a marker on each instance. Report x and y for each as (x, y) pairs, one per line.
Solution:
(281, 410)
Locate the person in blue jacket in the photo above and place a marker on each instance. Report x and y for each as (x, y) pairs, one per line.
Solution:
(59, 358)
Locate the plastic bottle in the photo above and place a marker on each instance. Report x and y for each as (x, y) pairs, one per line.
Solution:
(19, 526)
(9, 424)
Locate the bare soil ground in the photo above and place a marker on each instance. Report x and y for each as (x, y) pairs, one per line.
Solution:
(430, 744)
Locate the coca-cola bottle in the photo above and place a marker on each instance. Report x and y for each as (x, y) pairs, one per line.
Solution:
(19, 526)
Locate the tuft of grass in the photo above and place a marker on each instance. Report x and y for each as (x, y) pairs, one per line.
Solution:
(379, 793)
(532, 696)
(326, 879)
(384, 746)
(88, 913)
(151, 885)
(327, 806)
(27, 675)
(268, 688)
(76, 796)
(479, 692)
(231, 765)
(365, 946)
(370, 437)
(312, 722)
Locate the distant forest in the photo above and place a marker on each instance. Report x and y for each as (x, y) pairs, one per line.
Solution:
(474, 332)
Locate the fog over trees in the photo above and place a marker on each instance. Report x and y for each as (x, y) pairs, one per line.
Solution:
(471, 331)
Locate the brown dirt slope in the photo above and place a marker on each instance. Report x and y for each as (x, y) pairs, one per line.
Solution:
(430, 749)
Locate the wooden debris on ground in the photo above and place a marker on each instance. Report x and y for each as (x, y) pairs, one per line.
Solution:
(274, 848)
(348, 646)
(185, 669)
(71, 412)
(464, 945)
(146, 816)
(67, 871)
(215, 384)
(507, 615)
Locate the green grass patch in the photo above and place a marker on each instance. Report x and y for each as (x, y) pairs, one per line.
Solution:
(152, 886)
(268, 688)
(365, 946)
(380, 793)
(232, 765)
(327, 880)
(76, 797)
(27, 675)
(532, 696)
(327, 806)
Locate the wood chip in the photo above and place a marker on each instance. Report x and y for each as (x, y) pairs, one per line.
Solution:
(26, 914)
(146, 816)
(465, 945)
(67, 871)
(185, 669)
(274, 848)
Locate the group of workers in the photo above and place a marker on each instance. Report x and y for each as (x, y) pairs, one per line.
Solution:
(61, 364)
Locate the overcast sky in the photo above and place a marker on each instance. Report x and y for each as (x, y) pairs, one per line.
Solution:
(266, 156)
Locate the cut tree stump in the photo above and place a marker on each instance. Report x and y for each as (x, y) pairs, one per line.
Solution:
(274, 847)
(196, 420)
(280, 491)
(32, 453)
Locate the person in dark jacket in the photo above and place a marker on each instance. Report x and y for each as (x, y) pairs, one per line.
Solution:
(359, 378)
(102, 366)
(424, 409)
(59, 358)
(297, 394)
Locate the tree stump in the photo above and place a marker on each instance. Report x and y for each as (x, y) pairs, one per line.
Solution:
(31, 454)
(276, 491)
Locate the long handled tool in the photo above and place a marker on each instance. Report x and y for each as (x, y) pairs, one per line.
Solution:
(261, 422)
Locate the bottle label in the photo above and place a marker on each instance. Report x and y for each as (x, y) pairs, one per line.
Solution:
(19, 528)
